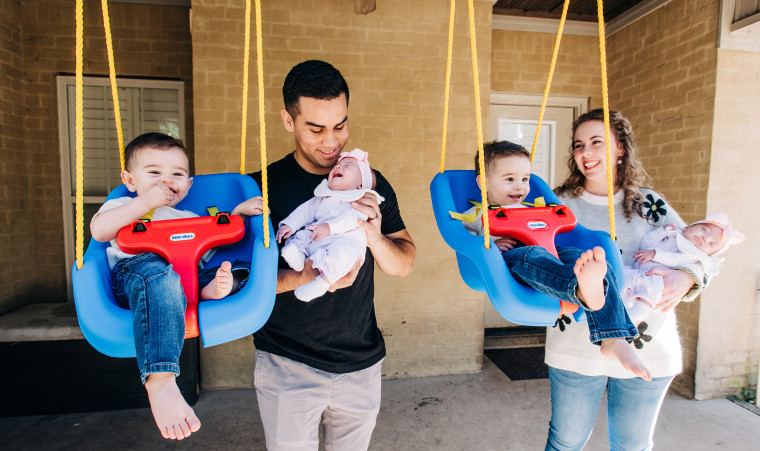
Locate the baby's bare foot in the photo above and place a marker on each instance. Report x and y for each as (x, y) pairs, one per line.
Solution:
(590, 269)
(221, 286)
(174, 417)
(619, 349)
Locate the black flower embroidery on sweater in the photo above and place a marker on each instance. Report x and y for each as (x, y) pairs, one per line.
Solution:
(638, 342)
(561, 321)
(654, 208)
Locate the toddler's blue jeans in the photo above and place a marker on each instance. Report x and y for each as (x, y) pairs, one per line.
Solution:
(534, 266)
(148, 285)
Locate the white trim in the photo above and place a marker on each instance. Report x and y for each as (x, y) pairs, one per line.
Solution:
(540, 25)
(578, 103)
(734, 36)
(633, 14)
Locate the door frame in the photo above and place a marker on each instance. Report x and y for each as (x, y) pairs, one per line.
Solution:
(579, 104)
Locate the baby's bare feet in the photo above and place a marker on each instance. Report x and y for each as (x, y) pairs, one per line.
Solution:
(221, 286)
(174, 417)
(590, 269)
(620, 350)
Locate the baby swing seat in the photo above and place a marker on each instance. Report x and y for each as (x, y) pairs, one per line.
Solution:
(108, 328)
(484, 269)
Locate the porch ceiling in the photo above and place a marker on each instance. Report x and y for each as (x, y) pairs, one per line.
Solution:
(582, 10)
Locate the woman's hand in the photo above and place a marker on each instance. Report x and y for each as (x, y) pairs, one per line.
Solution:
(677, 285)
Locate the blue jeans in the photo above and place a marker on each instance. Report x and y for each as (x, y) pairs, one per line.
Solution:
(147, 285)
(632, 409)
(534, 266)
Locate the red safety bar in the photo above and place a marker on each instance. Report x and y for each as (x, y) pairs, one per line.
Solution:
(182, 242)
(534, 226)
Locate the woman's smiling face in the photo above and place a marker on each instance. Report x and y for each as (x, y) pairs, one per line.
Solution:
(589, 151)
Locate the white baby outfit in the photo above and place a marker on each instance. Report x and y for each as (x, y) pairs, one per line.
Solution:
(337, 253)
(641, 292)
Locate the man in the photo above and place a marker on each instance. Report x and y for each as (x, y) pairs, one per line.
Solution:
(321, 360)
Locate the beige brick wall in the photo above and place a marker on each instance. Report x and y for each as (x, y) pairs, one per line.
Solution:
(17, 232)
(520, 63)
(394, 62)
(729, 326)
(149, 41)
(662, 72)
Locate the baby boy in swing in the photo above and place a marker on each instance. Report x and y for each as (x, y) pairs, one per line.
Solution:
(158, 171)
(580, 277)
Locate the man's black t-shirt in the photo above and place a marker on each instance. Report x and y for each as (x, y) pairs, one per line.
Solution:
(336, 332)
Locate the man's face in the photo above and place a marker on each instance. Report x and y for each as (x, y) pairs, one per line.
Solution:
(320, 131)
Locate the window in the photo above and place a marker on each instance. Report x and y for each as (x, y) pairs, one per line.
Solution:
(145, 105)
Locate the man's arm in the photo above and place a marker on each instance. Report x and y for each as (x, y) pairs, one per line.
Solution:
(394, 253)
(290, 279)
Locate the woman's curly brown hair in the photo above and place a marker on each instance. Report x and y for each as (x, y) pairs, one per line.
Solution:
(630, 172)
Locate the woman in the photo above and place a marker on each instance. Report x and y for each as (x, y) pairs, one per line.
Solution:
(578, 372)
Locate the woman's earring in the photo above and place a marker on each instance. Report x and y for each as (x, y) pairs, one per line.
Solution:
(620, 161)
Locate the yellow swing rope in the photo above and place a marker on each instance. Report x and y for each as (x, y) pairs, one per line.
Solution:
(79, 123)
(478, 117)
(112, 76)
(606, 107)
(78, 129)
(557, 42)
(262, 121)
(447, 88)
(478, 121)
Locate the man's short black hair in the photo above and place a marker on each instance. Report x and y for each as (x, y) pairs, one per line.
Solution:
(152, 139)
(314, 79)
(499, 149)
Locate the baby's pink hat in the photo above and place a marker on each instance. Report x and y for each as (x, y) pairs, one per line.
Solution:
(363, 158)
(730, 237)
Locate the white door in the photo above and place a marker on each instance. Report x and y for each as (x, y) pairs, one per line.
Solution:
(514, 118)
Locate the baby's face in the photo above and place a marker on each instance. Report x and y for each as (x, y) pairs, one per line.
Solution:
(345, 175)
(508, 180)
(167, 167)
(706, 237)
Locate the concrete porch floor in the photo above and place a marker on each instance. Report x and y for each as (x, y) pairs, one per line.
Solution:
(481, 411)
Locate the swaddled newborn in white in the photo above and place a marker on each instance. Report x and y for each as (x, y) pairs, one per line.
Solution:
(696, 248)
(331, 237)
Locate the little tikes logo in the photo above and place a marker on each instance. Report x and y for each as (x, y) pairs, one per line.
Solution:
(537, 225)
(184, 236)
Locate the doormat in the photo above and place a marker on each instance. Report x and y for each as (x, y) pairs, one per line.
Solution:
(519, 363)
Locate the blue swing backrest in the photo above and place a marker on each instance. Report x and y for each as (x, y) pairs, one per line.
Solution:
(484, 269)
(108, 328)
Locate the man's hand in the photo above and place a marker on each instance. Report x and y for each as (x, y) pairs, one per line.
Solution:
(251, 207)
(348, 279)
(643, 256)
(367, 204)
(319, 231)
(283, 232)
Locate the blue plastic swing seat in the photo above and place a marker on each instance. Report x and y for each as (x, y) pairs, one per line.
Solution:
(108, 327)
(484, 269)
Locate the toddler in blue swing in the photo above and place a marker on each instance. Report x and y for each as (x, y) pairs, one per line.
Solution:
(158, 171)
(580, 277)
